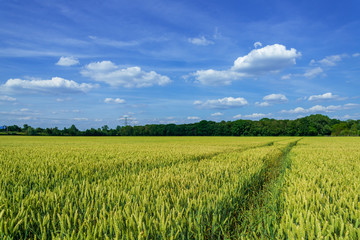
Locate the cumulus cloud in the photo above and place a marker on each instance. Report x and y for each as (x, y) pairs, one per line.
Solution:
(217, 114)
(257, 115)
(202, 41)
(325, 96)
(103, 66)
(257, 44)
(295, 110)
(131, 77)
(216, 78)
(193, 118)
(223, 103)
(320, 108)
(275, 98)
(263, 104)
(330, 60)
(7, 98)
(114, 100)
(54, 85)
(325, 63)
(252, 116)
(269, 59)
(67, 61)
(310, 73)
(272, 99)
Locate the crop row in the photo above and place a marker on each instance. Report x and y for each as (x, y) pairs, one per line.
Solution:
(136, 189)
(322, 195)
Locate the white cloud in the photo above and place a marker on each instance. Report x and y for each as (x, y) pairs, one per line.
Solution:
(54, 85)
(262, 104)
(252, 116)
(356, 55)
(346, 117)
(257, 44)
(301, 98)
(193, 118)
(7, 98)
(217, 114)
(320, 108)
(130, 77)
(328, 61)
(269, 59)
(114, 100)
(67, 61)
(310, 73)
(276, 98)
(81, 119)
(103, 66)
(295, 110)
(331, 60)
(286, 77)
(216, 78)
(272, 99)
(202, 41)
(351, 105)
(257, 115)
(223, 103)
(325, 96)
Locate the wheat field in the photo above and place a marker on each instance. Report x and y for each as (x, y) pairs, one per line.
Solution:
(179, 188)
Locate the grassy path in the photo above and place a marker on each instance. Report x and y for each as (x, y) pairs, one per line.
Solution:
(263, 206)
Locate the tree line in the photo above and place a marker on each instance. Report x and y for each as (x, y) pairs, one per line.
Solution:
(313, 125)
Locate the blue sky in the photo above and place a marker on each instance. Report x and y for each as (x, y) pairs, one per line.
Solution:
(91, 63)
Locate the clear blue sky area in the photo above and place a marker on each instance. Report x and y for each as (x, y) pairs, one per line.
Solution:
(93, 63)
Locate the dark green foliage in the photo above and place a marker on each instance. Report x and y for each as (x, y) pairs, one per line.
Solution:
(313, 125)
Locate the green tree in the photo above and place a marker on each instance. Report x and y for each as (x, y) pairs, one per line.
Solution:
(73, 131)
(30, 131)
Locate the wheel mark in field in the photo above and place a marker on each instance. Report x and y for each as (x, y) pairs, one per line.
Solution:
(254, 188)
(212, 155)
(197, 158)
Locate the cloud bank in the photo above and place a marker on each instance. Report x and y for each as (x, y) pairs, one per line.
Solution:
(114, 100)
(223, 103)
(320, 108)
(54, 85)
(272, 99)
(325, 96)
(269, 59)
(7, 98)
(115, 76)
